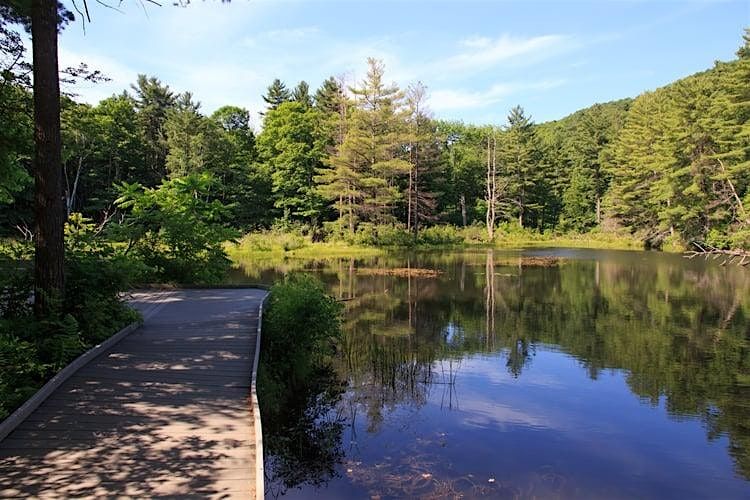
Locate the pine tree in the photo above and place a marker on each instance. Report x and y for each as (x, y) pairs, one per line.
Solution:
(153, 100)
(521, 164)
(585, 148)
(328, 97)
(370, 159)
(276, 94)
(644, 162)
(292, 144)
(185, 138)
(423, 153)
(301, 94)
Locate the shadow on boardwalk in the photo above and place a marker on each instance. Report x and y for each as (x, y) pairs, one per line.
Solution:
(166, 412)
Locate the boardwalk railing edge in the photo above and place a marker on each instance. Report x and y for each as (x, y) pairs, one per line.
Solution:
(257, 425)
(22, 413)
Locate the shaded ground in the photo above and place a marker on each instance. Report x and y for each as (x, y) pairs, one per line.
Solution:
(165, 412)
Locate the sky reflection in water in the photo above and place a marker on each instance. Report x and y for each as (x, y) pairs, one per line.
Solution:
(604, 375)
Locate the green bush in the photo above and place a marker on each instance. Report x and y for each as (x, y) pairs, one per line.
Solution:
(176, 230)
(441, 235)
(274, 239)
(382, 235)
(300, 321)
(297, 384)
(475, 233)
(96, 275)
(32, 350)
(740, 239)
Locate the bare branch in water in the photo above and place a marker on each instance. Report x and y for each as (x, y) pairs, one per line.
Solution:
(739, 257)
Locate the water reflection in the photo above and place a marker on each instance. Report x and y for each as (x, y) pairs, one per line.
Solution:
(517, 374)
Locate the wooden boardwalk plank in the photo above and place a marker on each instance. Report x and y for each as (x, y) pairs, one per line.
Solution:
(166, 412)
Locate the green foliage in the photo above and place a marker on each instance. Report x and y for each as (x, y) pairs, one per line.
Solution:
(284, 239)
(681, 163)
(293, 145)
(382, 235)
(176, 229)
(277, 94)
(297, 386)
(96, 274)
(362, 175)
(519, 157)
(672, 164)
(441, 235)
(15, 111)
(579, 202)
(301, 323)
(32, 350)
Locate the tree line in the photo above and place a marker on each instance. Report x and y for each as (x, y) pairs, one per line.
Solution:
(669, 166)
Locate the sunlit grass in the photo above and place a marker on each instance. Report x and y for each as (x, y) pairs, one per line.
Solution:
(279, 245)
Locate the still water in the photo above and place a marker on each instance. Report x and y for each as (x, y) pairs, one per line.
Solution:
(547, 373)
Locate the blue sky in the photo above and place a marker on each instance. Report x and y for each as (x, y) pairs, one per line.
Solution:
(478, 59)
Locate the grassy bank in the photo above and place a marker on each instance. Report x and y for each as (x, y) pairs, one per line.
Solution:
(376, 240)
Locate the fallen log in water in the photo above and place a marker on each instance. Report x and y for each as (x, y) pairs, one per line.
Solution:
(739, 257)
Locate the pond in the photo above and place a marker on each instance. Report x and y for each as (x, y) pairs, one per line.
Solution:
(548, 373)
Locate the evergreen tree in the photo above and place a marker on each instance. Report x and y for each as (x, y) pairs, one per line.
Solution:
(276, 94)
(329, 96)
(185, 138)
(519, 156)
(585, 147)
(370, 159)
(293, 145)
(423, 155)
(153, 100)
(301, 94)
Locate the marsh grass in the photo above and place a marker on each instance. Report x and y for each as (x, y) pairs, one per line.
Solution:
(292, 244)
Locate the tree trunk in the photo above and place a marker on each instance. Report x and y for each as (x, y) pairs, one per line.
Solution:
(409, 198)
(598, 209)
(49, 203)
(490, 215)
(416, 190)
(462, 201)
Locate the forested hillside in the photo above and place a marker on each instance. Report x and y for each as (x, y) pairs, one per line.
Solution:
(669, 166)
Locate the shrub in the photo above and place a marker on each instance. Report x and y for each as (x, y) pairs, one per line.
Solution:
(297, 384)
(175, 230)
(475, 233)
(268, 241)
(440, 235)
(382, 235)
(740, 239)
(32, 350)
(300, 320)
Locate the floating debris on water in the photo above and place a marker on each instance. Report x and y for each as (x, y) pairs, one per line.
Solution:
(531, 261)
(400, 271)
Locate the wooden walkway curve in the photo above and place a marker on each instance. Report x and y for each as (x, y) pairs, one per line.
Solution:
(166, 412)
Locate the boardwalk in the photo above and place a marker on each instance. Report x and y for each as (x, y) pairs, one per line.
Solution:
(165, 412)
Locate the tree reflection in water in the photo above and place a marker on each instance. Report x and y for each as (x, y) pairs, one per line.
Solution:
(679, 331)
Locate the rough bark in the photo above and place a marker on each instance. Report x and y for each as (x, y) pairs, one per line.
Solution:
(49, 198)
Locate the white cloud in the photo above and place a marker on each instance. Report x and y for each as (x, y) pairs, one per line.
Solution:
(454, 99)
(280, 36)
(120, 76)
(476, 41)
(482, 53)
